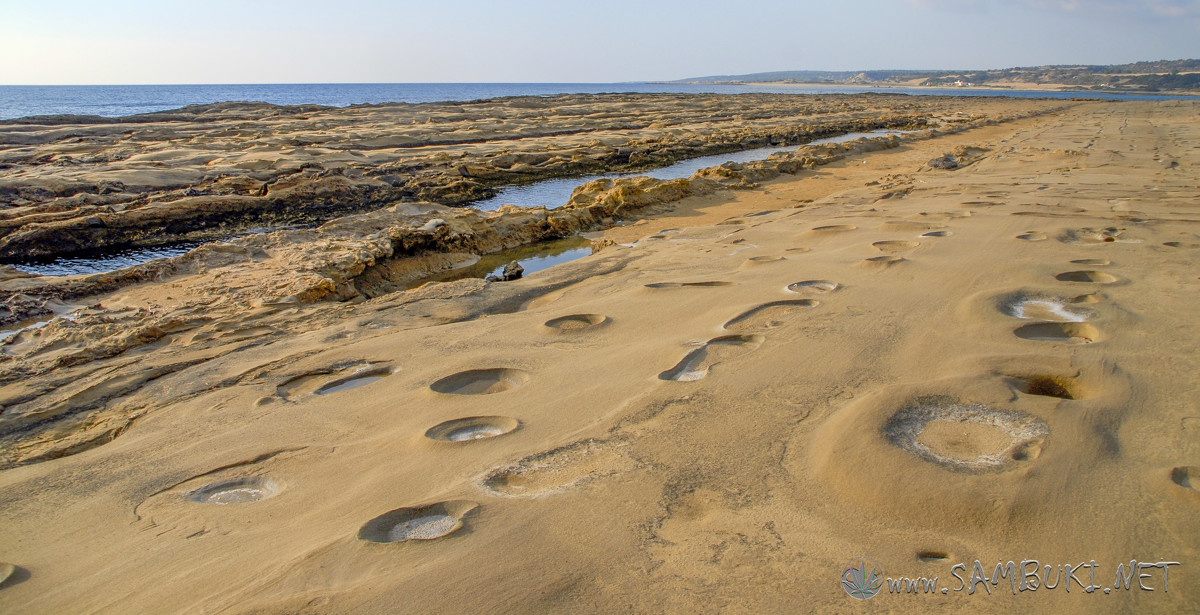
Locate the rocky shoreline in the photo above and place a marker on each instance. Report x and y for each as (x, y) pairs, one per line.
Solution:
(287, 275)
(407, 242)
(72, 185)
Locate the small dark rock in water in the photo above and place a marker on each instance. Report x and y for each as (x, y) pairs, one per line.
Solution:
(512, 271)
(945, 162)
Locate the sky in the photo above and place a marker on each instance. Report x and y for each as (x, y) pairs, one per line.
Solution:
(529, 41)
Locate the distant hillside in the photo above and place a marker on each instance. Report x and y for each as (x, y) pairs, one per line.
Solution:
(816, 76)
(1156, 76)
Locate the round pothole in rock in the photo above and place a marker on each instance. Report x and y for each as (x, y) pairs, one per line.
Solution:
(472, 428)
(936, 234)
(1037, 307)
(973, 438)
(576, 322)
(1068, 332)
(236, 491)
(1093, 277)
(818, 286)
(1092, 262)
(834, 228)
(895, 246)
(1187, 476)
(481, 381)
(932, 557)
(420, 523)
(354, 381)
(759, 260)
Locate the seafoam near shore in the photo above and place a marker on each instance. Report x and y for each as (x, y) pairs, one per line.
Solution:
(768, 372)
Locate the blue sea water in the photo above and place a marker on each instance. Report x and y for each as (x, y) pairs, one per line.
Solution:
(553, 193)
(118, 100)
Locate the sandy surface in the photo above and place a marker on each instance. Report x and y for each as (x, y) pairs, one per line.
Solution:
(717, 411)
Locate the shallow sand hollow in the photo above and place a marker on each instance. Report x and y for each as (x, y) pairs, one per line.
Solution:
(717, 411)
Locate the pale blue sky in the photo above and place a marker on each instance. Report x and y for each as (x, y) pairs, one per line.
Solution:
(304, 41)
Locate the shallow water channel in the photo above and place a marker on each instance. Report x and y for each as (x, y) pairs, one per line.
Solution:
(550, 193)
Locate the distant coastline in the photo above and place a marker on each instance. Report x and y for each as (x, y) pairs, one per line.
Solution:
(999, 89)
(19, 101)
(1180, 78)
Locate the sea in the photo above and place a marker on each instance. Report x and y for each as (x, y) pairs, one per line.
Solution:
(118, 100)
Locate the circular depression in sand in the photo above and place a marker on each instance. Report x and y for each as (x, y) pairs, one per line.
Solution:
(419, 523)
(689, 284)
(236, 491)
(906, 226)
(1041, 307)
(472, 428)
(759, 260)
(834, 228)
(1033, 236)
(895, 246)
(1093, 277)
(966, 437)
(882, 262)
(1187, 476)
(576, 322)
(1092, 262)
(770, 315)
(819, 286)
(354, 381)
(936, 234)
(481, 381)
(1068, 332)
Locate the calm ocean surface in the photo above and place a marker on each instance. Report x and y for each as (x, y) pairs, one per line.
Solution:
(118, 100)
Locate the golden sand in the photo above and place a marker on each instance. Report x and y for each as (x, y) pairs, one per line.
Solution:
(718, 418)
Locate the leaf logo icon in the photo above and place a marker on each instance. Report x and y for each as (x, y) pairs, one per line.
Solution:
(862, 579)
